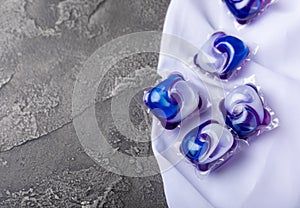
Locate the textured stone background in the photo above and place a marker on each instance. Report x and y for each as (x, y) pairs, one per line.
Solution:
(43, 44)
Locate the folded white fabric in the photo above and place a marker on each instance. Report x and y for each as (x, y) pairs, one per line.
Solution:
(267, 173)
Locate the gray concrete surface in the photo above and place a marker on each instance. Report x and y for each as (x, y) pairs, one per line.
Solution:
(43, 44)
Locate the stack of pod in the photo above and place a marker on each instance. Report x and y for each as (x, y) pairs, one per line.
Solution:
(245, 114)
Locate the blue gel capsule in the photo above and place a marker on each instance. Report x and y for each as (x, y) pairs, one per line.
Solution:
(245, 111)
(193, 145)
(207, 144)
(222, 55)
(173, 100)
(160, 101)
(245, 10)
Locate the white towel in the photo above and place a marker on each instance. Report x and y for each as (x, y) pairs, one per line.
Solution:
(267, 173)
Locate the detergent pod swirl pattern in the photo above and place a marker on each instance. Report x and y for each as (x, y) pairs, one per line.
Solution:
(174, 99)
(245, 10)
(245, 112)
(222, 55)
(209, 145)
